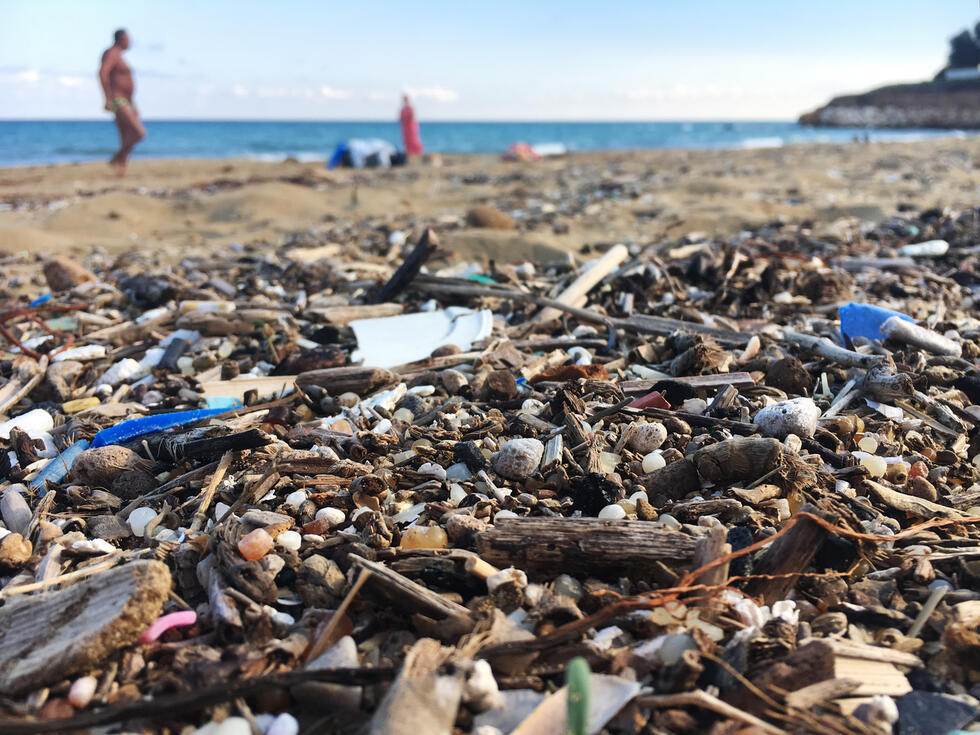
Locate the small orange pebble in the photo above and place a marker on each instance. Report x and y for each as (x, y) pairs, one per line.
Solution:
(56, 709)
(256, 544)
(919, 469)
(929, 453)
(424, 537)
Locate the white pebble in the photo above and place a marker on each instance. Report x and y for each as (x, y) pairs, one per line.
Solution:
(284, 724)
(796, 416)
(431, 468)
(612, 512)
(580, 356)
(403, 415)
(518, 459)
(283, 619)
(334, 516)
(139, 518)
(296, 498)
(422, 390)
(653, 462)
(290, 540)
(382, 427)
(81, 691)
(669, 521)
(695, 405)
(93, 546)
(456, 494)
(505, 514)
(647, 437)
(458, 472)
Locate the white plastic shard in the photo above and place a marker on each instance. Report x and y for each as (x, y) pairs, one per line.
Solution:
(395, 340)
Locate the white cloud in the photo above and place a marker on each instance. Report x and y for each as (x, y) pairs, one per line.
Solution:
(439, 94)
(381, 96)
(239, 90)
(334, 94)
(28, 76)
(71, 81)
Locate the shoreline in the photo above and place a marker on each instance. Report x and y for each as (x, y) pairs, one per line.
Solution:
(881, 136)
(168, 207)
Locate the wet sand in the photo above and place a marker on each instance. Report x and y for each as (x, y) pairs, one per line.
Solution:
(172, 207)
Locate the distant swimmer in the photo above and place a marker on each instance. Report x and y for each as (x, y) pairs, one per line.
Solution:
(117, 83)
(410, 130)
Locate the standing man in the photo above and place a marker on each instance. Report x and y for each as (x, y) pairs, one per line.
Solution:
(117, 83)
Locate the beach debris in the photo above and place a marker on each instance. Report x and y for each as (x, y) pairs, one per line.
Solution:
(742, 486)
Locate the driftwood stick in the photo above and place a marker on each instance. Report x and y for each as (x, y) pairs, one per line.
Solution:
(27, 387)
(823, 347)
(219, 474)
(575, 294)
(662, 326)
(581, 544)
(736, 380)
(788, 554)
(707, 549)
(408, 270)
(400, 592)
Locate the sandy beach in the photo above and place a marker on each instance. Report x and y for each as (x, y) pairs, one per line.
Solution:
(170, 207)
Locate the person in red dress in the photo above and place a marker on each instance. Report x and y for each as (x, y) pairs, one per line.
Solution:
(410, 129)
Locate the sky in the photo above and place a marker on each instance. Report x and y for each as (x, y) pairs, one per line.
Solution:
(503, 60)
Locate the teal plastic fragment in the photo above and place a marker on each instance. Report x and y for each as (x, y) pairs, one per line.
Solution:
(58, 467)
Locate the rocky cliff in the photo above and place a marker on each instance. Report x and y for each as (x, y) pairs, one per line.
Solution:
(937, 104)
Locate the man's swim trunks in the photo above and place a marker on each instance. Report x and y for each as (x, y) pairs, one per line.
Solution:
(117, 103)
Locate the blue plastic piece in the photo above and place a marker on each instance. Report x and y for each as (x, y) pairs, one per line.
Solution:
(42, 299)
(58, 467)
(223, 402)
(865, 320)
(134, 428)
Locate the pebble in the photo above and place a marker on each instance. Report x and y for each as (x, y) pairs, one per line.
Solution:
(81, 691)
(296, 498)
(647, 436)
(876, 466)
(100, 466)
(139, 518)
(14, 509)
(796, 416)
(333, 516)
(289, 540)
(63, 274)
(612, 512)
(284, 724)
(653, 462)
(255, 544)
(518, 459)
(424, 537)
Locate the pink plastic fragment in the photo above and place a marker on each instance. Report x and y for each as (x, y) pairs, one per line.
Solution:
(165, 622)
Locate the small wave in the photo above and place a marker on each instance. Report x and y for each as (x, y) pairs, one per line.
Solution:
(280, 156)
(773, 142)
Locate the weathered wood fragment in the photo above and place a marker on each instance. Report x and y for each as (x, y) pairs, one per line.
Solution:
(46, 638)
(582, 545)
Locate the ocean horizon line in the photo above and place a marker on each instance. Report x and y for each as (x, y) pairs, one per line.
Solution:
(423, 121)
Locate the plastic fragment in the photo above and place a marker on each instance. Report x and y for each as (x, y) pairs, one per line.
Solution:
(164, 623)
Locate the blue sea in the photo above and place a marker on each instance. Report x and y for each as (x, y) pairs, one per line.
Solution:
(61, 141)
